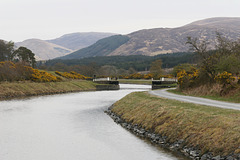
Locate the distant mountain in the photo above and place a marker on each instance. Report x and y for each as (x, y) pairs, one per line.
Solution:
(49, 49)
(148, 42)
(44, 50)
(76, 41)
(157, 41)
(102, 47)
(169, 40)
(223, 22)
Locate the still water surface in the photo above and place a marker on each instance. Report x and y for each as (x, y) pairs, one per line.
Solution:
(70, 127)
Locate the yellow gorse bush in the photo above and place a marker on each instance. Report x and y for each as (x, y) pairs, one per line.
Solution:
(148, 76)
(10, 71)
(144, 76)
(187, 79)
(191, 79)
(225, 78)
(7, 62)
(71, 75)
(42, 76)
(181, 75)
(137, 76)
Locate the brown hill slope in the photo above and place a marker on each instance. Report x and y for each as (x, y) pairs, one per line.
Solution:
(76, 41)
(44, 50)
(168, 40)
(49, 49)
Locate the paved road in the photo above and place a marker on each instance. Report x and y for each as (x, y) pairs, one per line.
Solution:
(197, 100)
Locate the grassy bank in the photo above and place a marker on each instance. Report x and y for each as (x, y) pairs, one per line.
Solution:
(27, 88)
(211, 92)
(208, 128)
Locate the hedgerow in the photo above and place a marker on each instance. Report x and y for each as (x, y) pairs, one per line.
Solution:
(10, 71)
(43, 76)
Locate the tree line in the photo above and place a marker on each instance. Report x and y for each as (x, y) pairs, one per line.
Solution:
(17, 64)
(117, 64)
(22, 54)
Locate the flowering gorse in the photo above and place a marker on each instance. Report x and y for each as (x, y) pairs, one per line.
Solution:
(43, 76)
(71, 75)
(10, 71)
(187, 79)
(225, 78)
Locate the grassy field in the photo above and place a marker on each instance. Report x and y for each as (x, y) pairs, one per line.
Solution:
(27, 88)
(211, 129)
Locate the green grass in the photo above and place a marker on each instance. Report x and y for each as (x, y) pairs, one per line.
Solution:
(176, 92)
(234, 99)
(27, 88)
(212, 129)
(171, 85)
(53, 73)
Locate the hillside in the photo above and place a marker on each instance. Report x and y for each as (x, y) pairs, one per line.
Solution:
(222, 22)
(102, 47)
(44, 50)
(49, 49)
(148, 42)
(169, 40)
(157, 41)
(76, 41)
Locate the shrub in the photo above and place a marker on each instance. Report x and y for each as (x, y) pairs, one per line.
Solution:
(19, 72)
(14, 72)
(148, 76)
(71, 75)
(188, 79)
(144, 76)
(42, 76)
(225, 78)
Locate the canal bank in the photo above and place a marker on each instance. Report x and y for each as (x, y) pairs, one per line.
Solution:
(199, 132)
(11, 90)
(71, 126)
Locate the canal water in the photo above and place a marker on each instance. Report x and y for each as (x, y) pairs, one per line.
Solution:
(71, 126)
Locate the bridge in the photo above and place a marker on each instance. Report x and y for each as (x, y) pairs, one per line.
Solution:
(106, 83)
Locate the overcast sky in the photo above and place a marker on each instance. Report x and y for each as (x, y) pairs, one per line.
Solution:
(49, 19)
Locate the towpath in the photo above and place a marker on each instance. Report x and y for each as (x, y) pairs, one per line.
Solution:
(197, 100)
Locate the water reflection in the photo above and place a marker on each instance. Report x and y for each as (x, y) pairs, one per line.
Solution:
(70, 126)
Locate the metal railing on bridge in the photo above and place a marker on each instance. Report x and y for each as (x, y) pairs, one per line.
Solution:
(168, 79)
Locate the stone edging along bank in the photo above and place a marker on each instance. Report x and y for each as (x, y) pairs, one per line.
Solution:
(178, 146)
